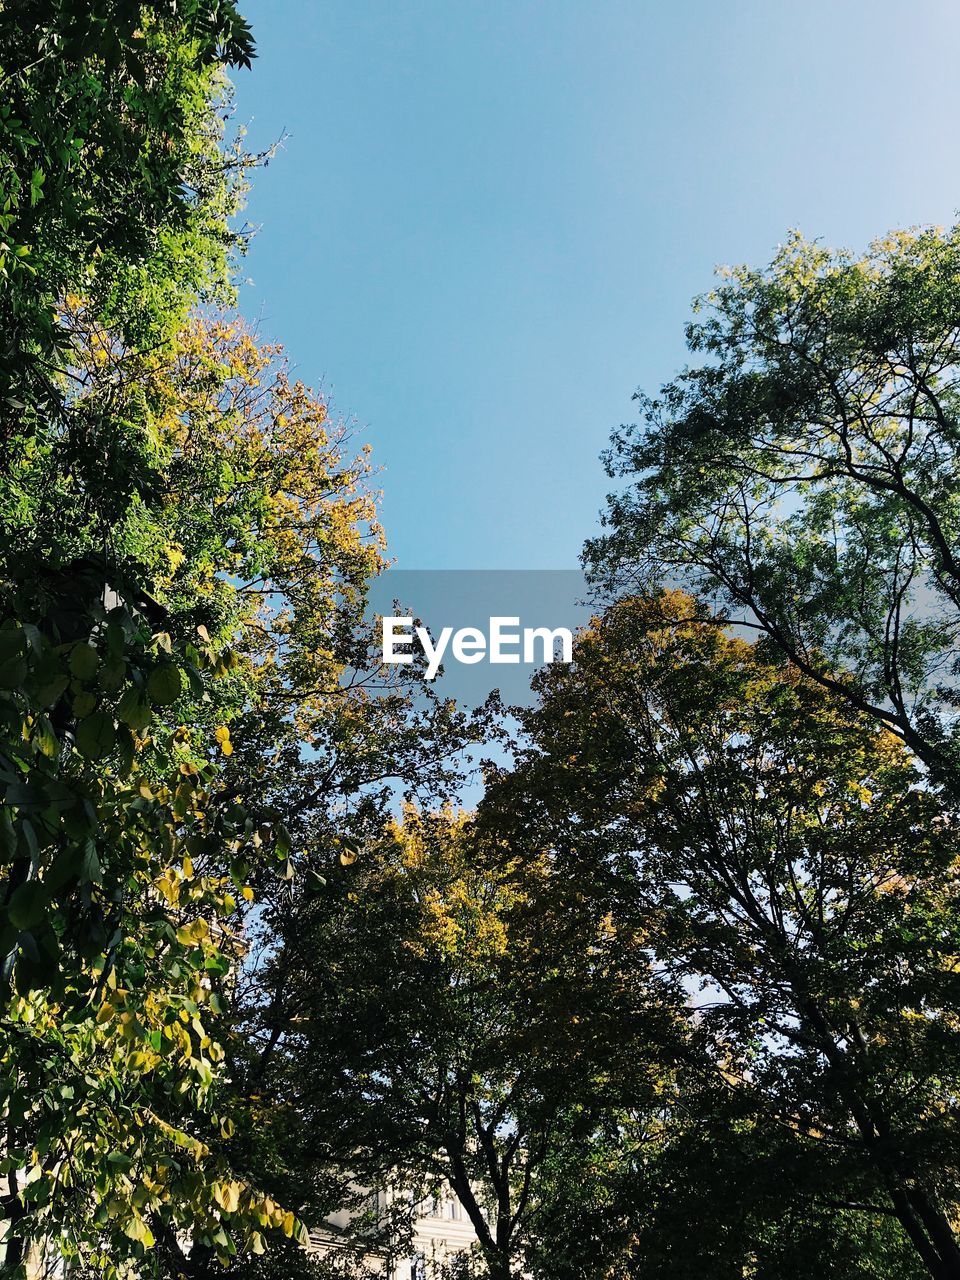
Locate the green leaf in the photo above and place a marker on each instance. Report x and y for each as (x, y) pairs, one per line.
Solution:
(128, 750)
(115, 640)
(11, 642)
(28, 905)
(96, 736)
(46, 739)
(138, 1230)
(64, 868)
(8, 837)
(134, 710)
(90, 864)
(50, 692)
(83, 704)
(165, 684)
(111, 677)
(315, 883)
(84, 661)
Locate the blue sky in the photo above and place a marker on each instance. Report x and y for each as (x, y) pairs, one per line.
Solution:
(488, 219)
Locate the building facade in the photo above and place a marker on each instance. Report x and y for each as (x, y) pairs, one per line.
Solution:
(442, 1235)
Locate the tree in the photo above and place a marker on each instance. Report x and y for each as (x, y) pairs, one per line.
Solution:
(795, 868)
(713, 1187)
(185, 538)
(185, 543)
(730, 1190)
(805, 476)
(446, 1010)
(113, 182)
(179, 613)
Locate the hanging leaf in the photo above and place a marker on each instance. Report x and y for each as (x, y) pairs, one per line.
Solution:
(28, 904)
(96, 736)
(83, 704)
(84, 661)
(13, 672)
(165, 684)
(134, 710)
(46, 739)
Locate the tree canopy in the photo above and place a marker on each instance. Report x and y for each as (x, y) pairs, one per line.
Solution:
(795, 871)
(186, 538)
(680, 996)
(448, 1012)
(804, 475)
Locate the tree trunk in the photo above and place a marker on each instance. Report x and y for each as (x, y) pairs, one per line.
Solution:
(498, 1267)
(14, 1248)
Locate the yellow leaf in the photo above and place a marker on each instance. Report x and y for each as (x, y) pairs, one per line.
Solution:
(227, 1195)
(138, 1230)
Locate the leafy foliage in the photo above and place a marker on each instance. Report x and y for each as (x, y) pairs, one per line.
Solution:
(791, 863)
(191, 548)
(452, 1012)
(112, 179)
(805, 475)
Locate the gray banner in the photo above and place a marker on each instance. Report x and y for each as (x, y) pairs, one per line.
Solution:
(460, 609)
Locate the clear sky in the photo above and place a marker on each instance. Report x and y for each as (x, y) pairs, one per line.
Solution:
(490, 216)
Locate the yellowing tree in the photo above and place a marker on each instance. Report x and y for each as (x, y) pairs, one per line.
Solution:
(447, 1008)
(793, 864)
(187, 623)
